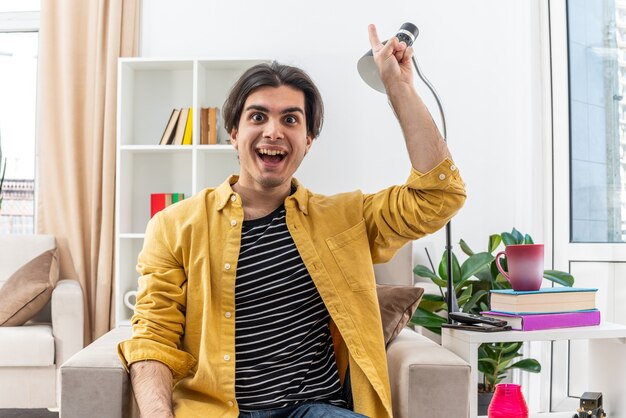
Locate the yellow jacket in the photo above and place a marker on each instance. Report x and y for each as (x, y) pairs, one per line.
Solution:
(185, 311)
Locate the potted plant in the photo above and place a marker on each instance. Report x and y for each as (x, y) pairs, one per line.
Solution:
(472, 282)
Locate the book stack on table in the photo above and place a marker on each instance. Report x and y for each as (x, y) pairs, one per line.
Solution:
(546, 308)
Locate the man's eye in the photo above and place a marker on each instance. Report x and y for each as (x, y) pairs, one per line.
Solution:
(291, 120)
(257, 117)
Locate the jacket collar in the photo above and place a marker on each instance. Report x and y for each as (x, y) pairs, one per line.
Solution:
(224, 192)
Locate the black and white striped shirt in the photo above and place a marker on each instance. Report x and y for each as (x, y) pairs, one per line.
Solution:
(284, 351)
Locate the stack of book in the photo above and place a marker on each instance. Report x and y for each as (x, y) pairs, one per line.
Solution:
(546, 308)
(178, 130)
(159, 201)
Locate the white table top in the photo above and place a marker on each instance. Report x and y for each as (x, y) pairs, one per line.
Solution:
(604, 330)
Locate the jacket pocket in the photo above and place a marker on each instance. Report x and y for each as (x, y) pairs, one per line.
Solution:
(350, 249)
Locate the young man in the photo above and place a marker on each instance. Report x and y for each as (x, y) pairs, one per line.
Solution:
(256, 296)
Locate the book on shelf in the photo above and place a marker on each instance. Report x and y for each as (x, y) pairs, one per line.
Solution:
(213, 125)
(188, 128)
(168, 133)
(209, 125)
(540, 321)
(544, 300)
(204, 126)
(180, 127)
(159, 201)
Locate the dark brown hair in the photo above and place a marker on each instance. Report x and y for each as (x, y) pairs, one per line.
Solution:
(274, 75)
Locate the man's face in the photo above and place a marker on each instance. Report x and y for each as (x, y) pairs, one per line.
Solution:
(271, 137)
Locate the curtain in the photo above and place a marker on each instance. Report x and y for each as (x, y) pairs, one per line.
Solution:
(80, 42)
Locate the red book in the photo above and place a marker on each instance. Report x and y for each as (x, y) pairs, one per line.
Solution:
(157, 202)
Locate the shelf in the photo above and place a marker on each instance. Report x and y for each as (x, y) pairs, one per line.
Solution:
(131, 236)
(156, 148)
(604, 330)
(148, 91)
(217, 148)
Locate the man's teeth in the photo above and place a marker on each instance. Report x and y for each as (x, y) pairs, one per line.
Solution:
(271, 152)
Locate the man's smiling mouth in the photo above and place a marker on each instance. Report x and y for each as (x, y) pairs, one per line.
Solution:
(271, 156)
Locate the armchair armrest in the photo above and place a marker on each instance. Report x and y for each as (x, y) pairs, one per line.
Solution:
(67, 314)
(427, 380)
(94, 382)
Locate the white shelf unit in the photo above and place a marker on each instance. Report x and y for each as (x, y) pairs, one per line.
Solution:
(148, 90)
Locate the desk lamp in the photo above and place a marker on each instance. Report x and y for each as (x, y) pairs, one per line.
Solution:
(369, 73)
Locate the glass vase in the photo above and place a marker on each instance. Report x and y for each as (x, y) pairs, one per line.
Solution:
(508, 402)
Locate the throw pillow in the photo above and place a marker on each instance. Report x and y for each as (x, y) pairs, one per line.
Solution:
(28, 290)
(397, 305)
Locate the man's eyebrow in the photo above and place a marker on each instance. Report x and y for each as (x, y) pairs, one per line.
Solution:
(265, 109)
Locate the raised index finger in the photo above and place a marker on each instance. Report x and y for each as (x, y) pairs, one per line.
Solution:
(374, 41)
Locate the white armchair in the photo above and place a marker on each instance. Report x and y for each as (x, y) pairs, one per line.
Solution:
(426, 379)
(31, 355)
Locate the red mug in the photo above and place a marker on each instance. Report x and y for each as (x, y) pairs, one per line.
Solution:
(525, 262)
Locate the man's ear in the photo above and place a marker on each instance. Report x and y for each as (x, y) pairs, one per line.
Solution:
(233, 137)
(309, 142)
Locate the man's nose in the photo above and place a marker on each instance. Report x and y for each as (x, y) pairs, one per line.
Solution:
(273, 129)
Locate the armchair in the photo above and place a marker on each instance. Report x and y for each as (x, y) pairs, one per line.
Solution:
(426, 379)
(31, 354)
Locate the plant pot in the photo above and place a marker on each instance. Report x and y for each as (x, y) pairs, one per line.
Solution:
(484, 399)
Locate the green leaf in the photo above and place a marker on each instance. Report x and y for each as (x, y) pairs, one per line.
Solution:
(494, 242)
(528, 365)
(432, 303)
(494, 268)
(560, 277)
(465, 296)
(470, 304)
(427, 319)
(485, 367)
(485, 360)
(519, 238)
(465, 248)
(474, 264)
(424, 271)
(502, 280)
(508, 238)
(511, 347)
(528, 239)
(443, 267)
(431, 297)
(484, 275)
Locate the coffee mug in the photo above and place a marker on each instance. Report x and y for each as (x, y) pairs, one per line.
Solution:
(130, 298)
(525, 263)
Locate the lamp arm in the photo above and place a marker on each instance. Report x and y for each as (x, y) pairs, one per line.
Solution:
(451, 300)
(435, 95)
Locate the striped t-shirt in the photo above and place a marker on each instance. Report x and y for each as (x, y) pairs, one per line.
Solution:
(284, 351)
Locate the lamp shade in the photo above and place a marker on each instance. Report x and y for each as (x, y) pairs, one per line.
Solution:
(367, 67)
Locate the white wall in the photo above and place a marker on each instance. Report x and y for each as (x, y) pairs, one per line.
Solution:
(483, 56)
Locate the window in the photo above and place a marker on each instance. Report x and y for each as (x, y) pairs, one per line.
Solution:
(597, 68)
(19, 45)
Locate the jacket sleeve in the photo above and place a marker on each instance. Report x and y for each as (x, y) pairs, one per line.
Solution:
(159, 319)
(419, 207)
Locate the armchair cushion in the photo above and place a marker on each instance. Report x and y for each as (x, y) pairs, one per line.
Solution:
(397, 305)
(29, 289)
(27, 346)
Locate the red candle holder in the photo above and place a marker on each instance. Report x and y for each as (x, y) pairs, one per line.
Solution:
(508, 402)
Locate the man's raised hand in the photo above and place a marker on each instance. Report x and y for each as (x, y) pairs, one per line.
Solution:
(393, 59)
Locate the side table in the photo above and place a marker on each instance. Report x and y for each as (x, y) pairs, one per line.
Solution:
(465, 344)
